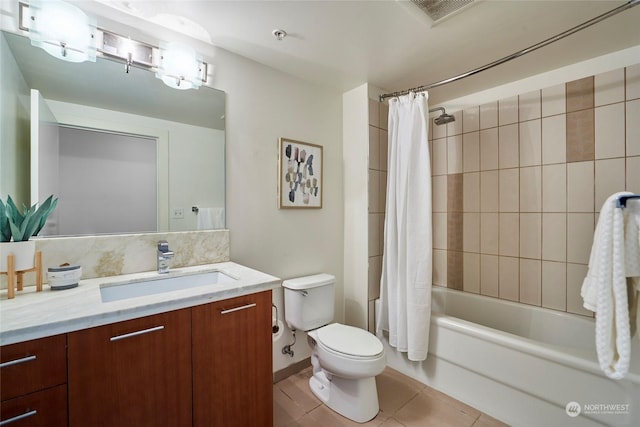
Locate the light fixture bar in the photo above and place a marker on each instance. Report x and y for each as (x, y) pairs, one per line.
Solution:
(121, 48)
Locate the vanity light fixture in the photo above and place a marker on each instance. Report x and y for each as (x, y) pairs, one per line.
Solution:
(180, 67)
(62, 30)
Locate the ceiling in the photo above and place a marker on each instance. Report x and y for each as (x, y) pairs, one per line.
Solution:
(391, 44)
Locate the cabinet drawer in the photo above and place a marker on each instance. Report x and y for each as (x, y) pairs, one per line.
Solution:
(46, 408)
(33, 365)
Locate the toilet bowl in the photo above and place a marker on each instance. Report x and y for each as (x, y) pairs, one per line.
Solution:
(345, 359)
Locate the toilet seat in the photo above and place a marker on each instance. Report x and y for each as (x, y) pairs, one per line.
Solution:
(349, 341)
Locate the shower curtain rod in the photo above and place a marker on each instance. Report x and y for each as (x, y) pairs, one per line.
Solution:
(615, 11)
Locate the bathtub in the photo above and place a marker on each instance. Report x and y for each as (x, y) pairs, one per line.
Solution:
(521, 364)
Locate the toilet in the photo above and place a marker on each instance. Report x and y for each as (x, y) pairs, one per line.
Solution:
(345, 359)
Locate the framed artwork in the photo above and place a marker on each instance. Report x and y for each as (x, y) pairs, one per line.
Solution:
(300, 174)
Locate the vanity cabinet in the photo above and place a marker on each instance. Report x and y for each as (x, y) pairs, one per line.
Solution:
(232, 362)
(33, 377)
(132, 373)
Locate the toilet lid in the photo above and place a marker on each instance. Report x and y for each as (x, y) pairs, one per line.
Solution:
(349, 340)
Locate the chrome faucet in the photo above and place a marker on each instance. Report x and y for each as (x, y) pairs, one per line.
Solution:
(164, 255)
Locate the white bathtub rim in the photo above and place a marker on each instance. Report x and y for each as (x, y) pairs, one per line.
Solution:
(522, 344)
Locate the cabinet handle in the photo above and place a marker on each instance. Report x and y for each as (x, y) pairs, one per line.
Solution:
(134, 334)
(17, 361)
(242, 307)
(18, 417)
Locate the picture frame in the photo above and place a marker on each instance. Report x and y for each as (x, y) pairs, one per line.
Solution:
(300, 177)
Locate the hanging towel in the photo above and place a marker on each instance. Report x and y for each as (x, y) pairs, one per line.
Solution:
(405, 284)
(210, 218)
(604, 289)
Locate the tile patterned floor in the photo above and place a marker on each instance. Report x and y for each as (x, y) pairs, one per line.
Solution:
(403, 402)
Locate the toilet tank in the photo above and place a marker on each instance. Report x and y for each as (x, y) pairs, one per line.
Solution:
(309, 301)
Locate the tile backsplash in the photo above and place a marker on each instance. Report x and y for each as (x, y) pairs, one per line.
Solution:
(517, 187)
(110, 255)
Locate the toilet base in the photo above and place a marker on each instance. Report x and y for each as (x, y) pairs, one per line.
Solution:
(353, 399)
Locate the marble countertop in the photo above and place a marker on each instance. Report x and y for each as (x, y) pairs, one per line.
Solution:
(32, 314)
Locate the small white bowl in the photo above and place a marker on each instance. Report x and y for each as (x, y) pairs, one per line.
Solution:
(65, 277)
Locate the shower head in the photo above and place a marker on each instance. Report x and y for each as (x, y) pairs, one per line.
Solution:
(443, 118)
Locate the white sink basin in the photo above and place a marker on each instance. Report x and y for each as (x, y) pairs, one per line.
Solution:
(157, 285)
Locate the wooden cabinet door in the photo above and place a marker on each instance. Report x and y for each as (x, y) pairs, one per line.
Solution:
(46, 408)
(232, 362)
(132, 373)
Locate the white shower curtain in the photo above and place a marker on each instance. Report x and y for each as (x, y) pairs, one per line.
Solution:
(405, 285)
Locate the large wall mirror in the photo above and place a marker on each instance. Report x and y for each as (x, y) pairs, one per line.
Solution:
(122, 151)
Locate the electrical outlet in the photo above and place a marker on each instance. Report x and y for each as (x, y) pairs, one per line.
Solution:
(177, 213)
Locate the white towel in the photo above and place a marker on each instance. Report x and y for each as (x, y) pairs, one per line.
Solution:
(210, 218)
(604, 290)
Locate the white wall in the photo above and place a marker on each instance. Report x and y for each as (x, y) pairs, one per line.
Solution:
(14, 129)
(263, 105)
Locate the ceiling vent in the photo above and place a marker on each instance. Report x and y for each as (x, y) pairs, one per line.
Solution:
(439, 9)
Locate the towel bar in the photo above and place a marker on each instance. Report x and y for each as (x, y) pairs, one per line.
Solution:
(622, 200)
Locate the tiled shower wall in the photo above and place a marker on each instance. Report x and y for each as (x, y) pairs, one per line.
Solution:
(517, 187)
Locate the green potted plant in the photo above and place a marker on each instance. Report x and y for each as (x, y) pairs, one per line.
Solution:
(17, 227)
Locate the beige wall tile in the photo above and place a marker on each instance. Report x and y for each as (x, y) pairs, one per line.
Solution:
(439, 157)
(454, 154)
(471, 120)
(580, 228)
(554, 188)
(554, 139)
(508, 150)
(471, 233)
(580, 136)
(489, 191)
(633, 174)
(489, 149)
(455, 192)
(531, 189)
(531, 281)
(489, 233)
(554, 285)
(610, 131)
(609, 179)
(439, 193)
(439, 225)
(575, 276)
(454, 269)
(633, 127)
(375, 272)
(529, 105)
(455, 230)
(374, 191)
(374, 148)
(580, 187)
(470, 152)
(471, 273)
(509, 234)
(554, 236)
(531, 143)
(374, 234)
(471, 192)
(374, 112)
(384, 149)
(384, 116)
(554, 100)
(455, 127)
(383, 191)
(580, 94)
(509, 189)
(439, 267)
(508, 111)
(489, 275)
(633, 82)
(509, 278)
(489, 115)
(609, 87)
(531, 235)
